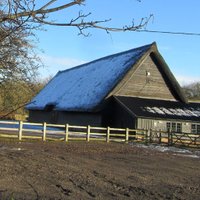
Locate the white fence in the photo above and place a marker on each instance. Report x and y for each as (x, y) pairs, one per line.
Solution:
(43, 131)
(57, 132)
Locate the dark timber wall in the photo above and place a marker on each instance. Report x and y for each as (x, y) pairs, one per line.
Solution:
(59, 117)
(79, 118)
(41, 116)
(121, 118)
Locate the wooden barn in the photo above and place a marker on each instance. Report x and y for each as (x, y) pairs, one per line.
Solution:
(134, 89)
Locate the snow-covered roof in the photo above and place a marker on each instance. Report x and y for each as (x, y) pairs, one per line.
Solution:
(159, 109)
(84, 87)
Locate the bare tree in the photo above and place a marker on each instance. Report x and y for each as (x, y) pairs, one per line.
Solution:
(18, 60)
(27, 11)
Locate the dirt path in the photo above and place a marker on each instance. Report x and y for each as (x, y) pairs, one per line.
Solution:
(95, 171)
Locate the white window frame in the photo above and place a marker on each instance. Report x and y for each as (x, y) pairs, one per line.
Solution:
(174, 127)
(195, 128)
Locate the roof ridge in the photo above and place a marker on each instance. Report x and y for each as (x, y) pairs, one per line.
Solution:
(106, 57)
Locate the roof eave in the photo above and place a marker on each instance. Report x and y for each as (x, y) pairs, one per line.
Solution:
(174, 83)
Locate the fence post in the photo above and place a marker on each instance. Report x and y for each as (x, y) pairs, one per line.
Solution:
(146, 136)
(169, 136)
(44, 131)
(160, 139)
(127, 135)
(88, 133)
(66, 132)
(150, 135)
(20, 130)
(108, 134)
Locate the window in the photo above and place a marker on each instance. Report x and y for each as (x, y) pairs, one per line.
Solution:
(168, 126)
(195, 128)
(175, 127)
(198, 129)
(179, 128)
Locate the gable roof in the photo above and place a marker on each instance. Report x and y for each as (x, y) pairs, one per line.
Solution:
(160, 109)
(83, 88)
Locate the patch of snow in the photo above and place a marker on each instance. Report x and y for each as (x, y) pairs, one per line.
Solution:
(3, 148)
(158, 110)
(187, 112)
(187, 155)
(16, 149)
(149, 109)
(166, 111)
(177, 151)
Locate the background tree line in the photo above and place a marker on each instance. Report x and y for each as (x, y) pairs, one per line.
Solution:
(15, 95)
(192, 91)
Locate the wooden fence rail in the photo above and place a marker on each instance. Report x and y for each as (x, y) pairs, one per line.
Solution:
(57, 132)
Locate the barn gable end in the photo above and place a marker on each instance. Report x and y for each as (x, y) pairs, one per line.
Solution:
(150, 78)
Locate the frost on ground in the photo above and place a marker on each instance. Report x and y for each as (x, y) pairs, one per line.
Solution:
(193, 153)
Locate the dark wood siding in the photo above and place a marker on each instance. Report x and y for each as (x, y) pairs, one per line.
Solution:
(61, 117)
(146, 81)
(79, 118)
(121, 118)
(41, 116)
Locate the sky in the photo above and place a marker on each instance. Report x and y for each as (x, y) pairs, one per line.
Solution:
(62, 47)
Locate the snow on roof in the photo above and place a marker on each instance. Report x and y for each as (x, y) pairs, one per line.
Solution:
(82, 88)
(161, 109)
(186, 112)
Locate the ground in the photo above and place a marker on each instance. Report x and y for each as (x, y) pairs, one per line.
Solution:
(81, 170)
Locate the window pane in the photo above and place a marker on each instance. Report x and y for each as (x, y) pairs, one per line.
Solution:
(173, 126)
(168, 126)
(198, 129)
(193, 128)
(179, 127)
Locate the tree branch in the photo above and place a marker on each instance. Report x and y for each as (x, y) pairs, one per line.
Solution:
(39, 16)
(33, 13)
(82, 25)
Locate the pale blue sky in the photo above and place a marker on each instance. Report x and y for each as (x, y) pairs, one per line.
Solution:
(64, 49)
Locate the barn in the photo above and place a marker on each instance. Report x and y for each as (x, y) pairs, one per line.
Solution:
(134, 89)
